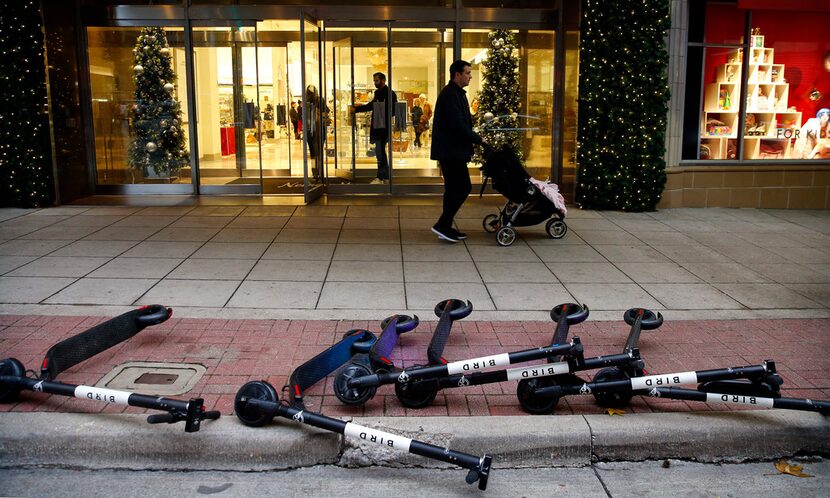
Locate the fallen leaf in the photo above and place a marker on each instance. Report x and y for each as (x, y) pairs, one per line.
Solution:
(794, 470)
(613, 411)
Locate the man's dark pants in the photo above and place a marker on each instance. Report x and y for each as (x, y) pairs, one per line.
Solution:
(381, 156)
(457, 187)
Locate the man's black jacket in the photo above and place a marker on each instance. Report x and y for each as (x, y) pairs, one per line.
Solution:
(381, 95)
(452, 127)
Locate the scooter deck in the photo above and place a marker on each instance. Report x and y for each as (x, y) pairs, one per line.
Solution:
(317, 368)
(99, 338)
(382, 348)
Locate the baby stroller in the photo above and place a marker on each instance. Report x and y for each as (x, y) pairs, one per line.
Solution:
(529, 201)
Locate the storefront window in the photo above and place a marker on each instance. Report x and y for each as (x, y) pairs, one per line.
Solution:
(139, 113)
(783, 98)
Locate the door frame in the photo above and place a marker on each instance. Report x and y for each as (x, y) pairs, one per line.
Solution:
(312, 192)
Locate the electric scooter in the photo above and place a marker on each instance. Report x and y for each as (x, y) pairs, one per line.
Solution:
(619, 366)
(257, 403)
(89, 343)
(447, 311)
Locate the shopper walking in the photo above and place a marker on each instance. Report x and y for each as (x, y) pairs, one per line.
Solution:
(381, 116)
(452, 146)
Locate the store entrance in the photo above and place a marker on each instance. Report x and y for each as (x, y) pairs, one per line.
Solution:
(411, 60)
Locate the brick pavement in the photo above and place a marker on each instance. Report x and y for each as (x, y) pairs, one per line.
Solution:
(236, 351)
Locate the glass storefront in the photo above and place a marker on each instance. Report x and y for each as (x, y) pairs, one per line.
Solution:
(764, 92)
(270, 103)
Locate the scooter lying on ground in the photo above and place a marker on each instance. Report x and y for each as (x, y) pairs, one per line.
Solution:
(618, 366)
(756, 385)
(375, 360)
(447, 311)
(257, 403)
(429, 379)
(89, 343)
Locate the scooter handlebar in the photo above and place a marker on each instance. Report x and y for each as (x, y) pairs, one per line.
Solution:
(173, 417)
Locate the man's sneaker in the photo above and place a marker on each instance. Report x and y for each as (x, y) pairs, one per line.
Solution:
(447, 235)
(458, 235)
(376, 181)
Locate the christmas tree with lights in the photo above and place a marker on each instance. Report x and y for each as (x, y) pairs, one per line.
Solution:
(158, 147)
(499, 99)
(623, 93)
(25, 145)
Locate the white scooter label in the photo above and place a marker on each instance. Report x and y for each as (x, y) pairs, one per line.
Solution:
(663, 380)
(105, 395)
(738, 399)
(544, 370)
(377, 437)
(496, 360)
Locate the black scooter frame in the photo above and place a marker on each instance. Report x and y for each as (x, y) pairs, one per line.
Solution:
(89, 343)
(420, 393)
(257, 403)
(801, 404)
(614, 367)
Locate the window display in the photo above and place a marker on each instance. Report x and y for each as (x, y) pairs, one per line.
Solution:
(777, 80)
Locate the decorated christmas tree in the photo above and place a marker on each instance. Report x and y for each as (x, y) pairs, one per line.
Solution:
(499, 99)
(25, 149)
(623, 92)
(158, 146)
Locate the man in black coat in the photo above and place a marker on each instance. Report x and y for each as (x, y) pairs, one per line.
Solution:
(294, 116)
(452, 146)
(379, 132)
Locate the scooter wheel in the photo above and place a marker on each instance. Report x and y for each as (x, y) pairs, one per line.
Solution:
(532, 403)
(617, 399)
(505, 236)
(249, 415)
(556, 229)
(417, 394)
(491, 223)
(352, 395)
(10, 367)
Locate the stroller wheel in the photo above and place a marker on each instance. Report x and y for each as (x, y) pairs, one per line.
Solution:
(611, 399)
(556, 228)
(251, 416)
(352, 395)
(491, 223)
(506, 236)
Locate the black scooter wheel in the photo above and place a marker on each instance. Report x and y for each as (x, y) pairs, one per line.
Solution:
(532, 403)
(247, 414)
(417, 394)
(618, 399)
(352, 395)
(491, 223)
(10, 367)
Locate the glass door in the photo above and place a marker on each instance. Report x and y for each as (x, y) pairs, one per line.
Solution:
(344, 121)
(228, 114)
(315, 110)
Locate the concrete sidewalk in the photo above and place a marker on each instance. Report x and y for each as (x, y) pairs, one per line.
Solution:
(257, 290)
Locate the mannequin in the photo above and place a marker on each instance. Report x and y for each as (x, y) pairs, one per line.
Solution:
(814, 137)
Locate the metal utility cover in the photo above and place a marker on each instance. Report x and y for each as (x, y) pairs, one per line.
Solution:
(164, 379)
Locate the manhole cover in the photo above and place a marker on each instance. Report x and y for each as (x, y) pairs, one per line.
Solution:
(165, 379)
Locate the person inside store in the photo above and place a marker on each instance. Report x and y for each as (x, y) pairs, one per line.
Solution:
(381, 116)
(452, 146)
(425, 119)
(416, 113)
(294, 116)
(814, 137)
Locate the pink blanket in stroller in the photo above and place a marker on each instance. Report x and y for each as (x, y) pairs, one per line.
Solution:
(551, 191)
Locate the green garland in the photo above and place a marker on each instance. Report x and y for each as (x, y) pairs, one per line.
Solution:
(624, 94)
(25, 145)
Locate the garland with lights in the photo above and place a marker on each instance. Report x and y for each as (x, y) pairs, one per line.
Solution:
(499, 99)
(158, 146)
(624, 94)
(25, 145)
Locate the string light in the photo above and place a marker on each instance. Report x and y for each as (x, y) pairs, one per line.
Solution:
(25, 151)
(623, 92)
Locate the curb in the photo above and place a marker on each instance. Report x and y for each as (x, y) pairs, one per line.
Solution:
(127, 441)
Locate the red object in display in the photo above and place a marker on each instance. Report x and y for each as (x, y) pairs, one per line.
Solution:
(228, 136)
